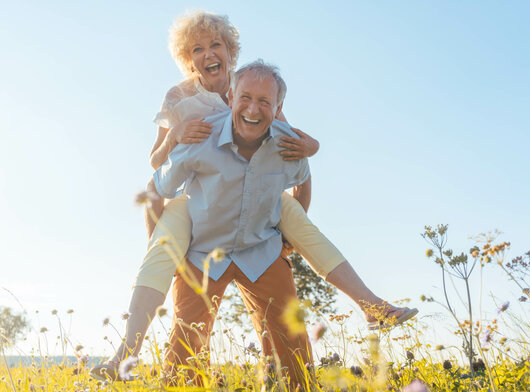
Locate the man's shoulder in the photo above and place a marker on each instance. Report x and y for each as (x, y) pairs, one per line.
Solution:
(218, 120)
(282, 129)
(291, 169)
(210, 143)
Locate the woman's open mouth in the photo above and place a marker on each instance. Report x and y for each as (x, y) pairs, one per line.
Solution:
(213, 68)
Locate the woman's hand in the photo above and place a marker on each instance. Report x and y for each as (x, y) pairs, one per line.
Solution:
(194, 131)
(296, 149)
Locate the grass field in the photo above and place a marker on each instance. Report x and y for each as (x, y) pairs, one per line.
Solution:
(482, 354)
(382, 365)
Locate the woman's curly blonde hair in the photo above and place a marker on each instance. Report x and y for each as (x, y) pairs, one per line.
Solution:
(187, 28)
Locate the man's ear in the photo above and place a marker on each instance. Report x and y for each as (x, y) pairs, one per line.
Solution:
(230, 97)
(278, 111)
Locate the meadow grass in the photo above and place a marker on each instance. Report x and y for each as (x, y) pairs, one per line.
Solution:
(482, 355)
(387, 361)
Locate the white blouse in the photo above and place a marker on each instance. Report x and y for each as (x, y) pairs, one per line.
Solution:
(188, 100)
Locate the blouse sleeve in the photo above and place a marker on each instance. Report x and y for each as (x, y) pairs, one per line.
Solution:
(166, 116)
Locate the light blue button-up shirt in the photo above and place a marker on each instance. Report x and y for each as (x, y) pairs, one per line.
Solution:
(234, 204)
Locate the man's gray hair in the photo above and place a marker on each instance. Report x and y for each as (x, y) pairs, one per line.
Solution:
(263, 70)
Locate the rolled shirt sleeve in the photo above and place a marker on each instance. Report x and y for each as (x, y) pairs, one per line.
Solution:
(300, 175)
(172, 174)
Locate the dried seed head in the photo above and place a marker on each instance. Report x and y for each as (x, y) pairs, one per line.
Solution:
(161, 311)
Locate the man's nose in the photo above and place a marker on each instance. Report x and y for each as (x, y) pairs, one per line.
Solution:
(253, 107)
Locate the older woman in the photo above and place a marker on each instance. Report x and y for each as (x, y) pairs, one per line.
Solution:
(205, 47)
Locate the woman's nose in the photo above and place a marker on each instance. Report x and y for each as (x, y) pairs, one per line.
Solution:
(209, 53)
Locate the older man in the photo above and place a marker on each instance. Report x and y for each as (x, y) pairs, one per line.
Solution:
(235, 182)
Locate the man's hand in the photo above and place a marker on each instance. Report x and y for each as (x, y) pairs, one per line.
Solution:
(296, 149)
(189, 132)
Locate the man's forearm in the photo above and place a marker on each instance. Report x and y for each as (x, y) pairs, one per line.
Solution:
(302, 193)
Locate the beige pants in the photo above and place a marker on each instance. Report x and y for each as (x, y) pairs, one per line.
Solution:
(171, 238)
(276, 282)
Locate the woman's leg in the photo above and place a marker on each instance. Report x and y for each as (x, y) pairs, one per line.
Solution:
(167, 247)
(326, 260)
(321, 255)
(142, 309)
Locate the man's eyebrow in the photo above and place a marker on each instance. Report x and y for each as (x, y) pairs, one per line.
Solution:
(261, 97)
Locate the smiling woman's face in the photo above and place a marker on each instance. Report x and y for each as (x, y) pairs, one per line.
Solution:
(210, 59)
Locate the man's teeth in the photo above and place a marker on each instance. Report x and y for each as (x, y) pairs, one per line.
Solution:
(250, 121)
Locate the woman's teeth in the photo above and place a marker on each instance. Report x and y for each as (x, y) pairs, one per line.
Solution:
(213, 67)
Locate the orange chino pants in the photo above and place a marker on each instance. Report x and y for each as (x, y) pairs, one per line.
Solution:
(276, 283)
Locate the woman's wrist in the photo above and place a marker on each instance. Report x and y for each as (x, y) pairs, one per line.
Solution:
(314, 146)
(171, 141)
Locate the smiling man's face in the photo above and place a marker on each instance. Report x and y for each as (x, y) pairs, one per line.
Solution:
(254, 104)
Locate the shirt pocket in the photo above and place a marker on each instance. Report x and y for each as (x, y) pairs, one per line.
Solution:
(271, 188)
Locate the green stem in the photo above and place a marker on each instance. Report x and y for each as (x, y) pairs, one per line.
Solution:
(488, 369)
(63, 338)
(7, 368)
(470, 354)
(451, 309)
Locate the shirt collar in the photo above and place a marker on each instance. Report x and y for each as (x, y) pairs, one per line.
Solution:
(273, 132)
(226, 133)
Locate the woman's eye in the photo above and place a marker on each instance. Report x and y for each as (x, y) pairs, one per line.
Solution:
(215, 44)
(196, 50)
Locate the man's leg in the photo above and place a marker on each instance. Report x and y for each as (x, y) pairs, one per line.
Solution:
(193, 319)
(294, 351)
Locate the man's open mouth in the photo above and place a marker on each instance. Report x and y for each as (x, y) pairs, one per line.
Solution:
(249, 121)
(213, 68)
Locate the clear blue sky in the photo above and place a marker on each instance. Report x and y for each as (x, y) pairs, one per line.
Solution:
(421, 109)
